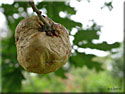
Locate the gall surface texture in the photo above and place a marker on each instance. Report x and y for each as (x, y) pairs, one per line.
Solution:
(36, 51)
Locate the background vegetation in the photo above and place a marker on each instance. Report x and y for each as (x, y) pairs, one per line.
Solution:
(83, 72)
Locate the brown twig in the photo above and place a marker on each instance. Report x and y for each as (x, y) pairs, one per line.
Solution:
(35, 9)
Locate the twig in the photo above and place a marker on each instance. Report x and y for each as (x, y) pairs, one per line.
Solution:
(35, 9)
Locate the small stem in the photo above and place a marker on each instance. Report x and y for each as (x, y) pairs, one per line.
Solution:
(35, 9)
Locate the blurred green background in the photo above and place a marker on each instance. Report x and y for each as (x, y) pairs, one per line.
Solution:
(82, 73)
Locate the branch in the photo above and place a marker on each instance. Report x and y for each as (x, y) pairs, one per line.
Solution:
(35, 9)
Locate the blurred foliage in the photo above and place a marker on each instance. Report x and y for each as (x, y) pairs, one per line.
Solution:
(108, 5)
(13, 74)
(79, 80)
(117, 65)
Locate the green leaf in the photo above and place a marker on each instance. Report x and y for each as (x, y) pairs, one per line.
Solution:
(69, 24)
(87, 35)
(82, 59)
(9, 9)
(101, 46)
(56, 7)
(60, 72)
(11, 81)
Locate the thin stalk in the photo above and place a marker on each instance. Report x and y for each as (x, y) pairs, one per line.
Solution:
(35, 9)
